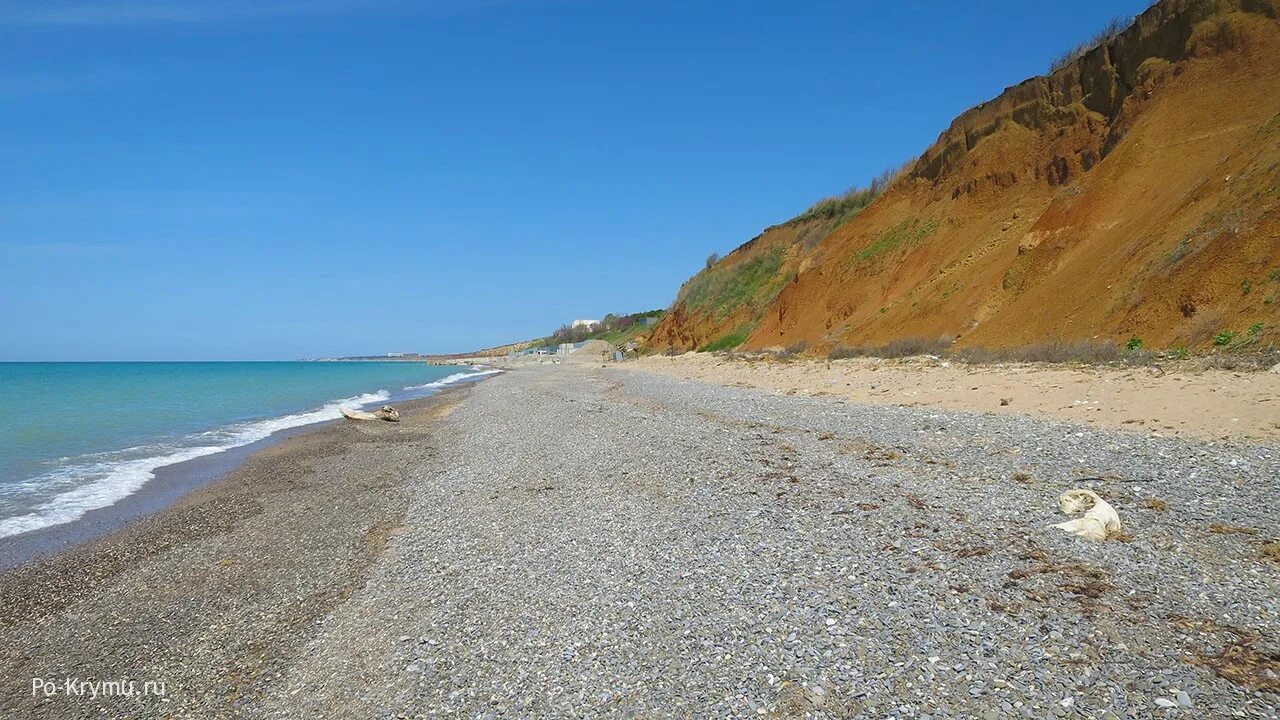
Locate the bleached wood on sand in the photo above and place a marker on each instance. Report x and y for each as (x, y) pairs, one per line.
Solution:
(1100, 519)
(386, 412)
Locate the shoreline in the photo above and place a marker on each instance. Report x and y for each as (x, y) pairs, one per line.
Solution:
(302, 517)
(181, 486)
(170, 486)
(171, 483)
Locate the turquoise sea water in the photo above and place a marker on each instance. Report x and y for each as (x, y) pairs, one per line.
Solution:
(78, 436)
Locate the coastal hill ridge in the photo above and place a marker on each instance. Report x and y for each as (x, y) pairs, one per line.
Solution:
(1130, 193)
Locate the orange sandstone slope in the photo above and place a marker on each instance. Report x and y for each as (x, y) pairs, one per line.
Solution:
(1134, 192)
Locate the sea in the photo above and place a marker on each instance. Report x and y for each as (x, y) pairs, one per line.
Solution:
(75, 437)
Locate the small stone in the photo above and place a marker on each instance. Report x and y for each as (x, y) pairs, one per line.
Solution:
(1166, 703)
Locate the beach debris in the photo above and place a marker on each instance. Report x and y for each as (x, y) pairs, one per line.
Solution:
(1100, 520)
(386, 412)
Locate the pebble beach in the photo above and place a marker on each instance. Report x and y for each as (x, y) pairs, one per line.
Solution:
(583, 541)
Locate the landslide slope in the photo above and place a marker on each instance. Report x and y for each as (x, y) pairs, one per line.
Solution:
(1133, 192)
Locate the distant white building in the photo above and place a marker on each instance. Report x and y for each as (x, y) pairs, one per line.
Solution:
(397, 354)
(584, 323)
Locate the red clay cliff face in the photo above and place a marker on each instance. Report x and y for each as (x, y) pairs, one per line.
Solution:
(1134, 192)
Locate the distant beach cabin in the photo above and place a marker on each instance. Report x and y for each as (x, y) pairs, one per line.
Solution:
(585, 323)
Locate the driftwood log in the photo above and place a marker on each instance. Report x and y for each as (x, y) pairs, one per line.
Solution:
(386, 412)
(1100, 520)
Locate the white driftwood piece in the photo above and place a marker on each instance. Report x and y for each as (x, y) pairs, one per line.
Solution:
(1100, 519)
(386, 412)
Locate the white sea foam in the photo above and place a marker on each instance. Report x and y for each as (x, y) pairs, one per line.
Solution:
(477, 371)
(103, 479)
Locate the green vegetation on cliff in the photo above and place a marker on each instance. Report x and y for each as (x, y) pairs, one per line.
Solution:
(726, 287)
(616, 329)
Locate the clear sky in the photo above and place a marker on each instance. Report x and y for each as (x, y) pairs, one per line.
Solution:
(275, 179)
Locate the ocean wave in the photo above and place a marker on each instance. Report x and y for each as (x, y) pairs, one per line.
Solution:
(476, 372)
(112, 476)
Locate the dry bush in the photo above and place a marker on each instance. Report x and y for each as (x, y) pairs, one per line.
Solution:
(1113, 28)
(911, 347)
(1245, 361)
(903, 347)
(1200, 325)
(1078, 351)
(1216, 35)
(1154, 71)
(843, 352)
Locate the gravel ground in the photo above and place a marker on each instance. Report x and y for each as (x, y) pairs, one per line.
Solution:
(573, 541)
(605, 543)
(214, 596)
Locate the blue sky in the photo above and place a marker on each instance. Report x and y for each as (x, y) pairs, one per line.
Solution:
(239, 179)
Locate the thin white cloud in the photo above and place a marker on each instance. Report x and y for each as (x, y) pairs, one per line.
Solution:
(108, 13)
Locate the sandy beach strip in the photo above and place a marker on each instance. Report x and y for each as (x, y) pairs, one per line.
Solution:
(1207, 404)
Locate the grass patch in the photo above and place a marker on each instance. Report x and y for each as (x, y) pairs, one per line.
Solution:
(904, 234)
(835, 210)
(726, 342)
(722, 289)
